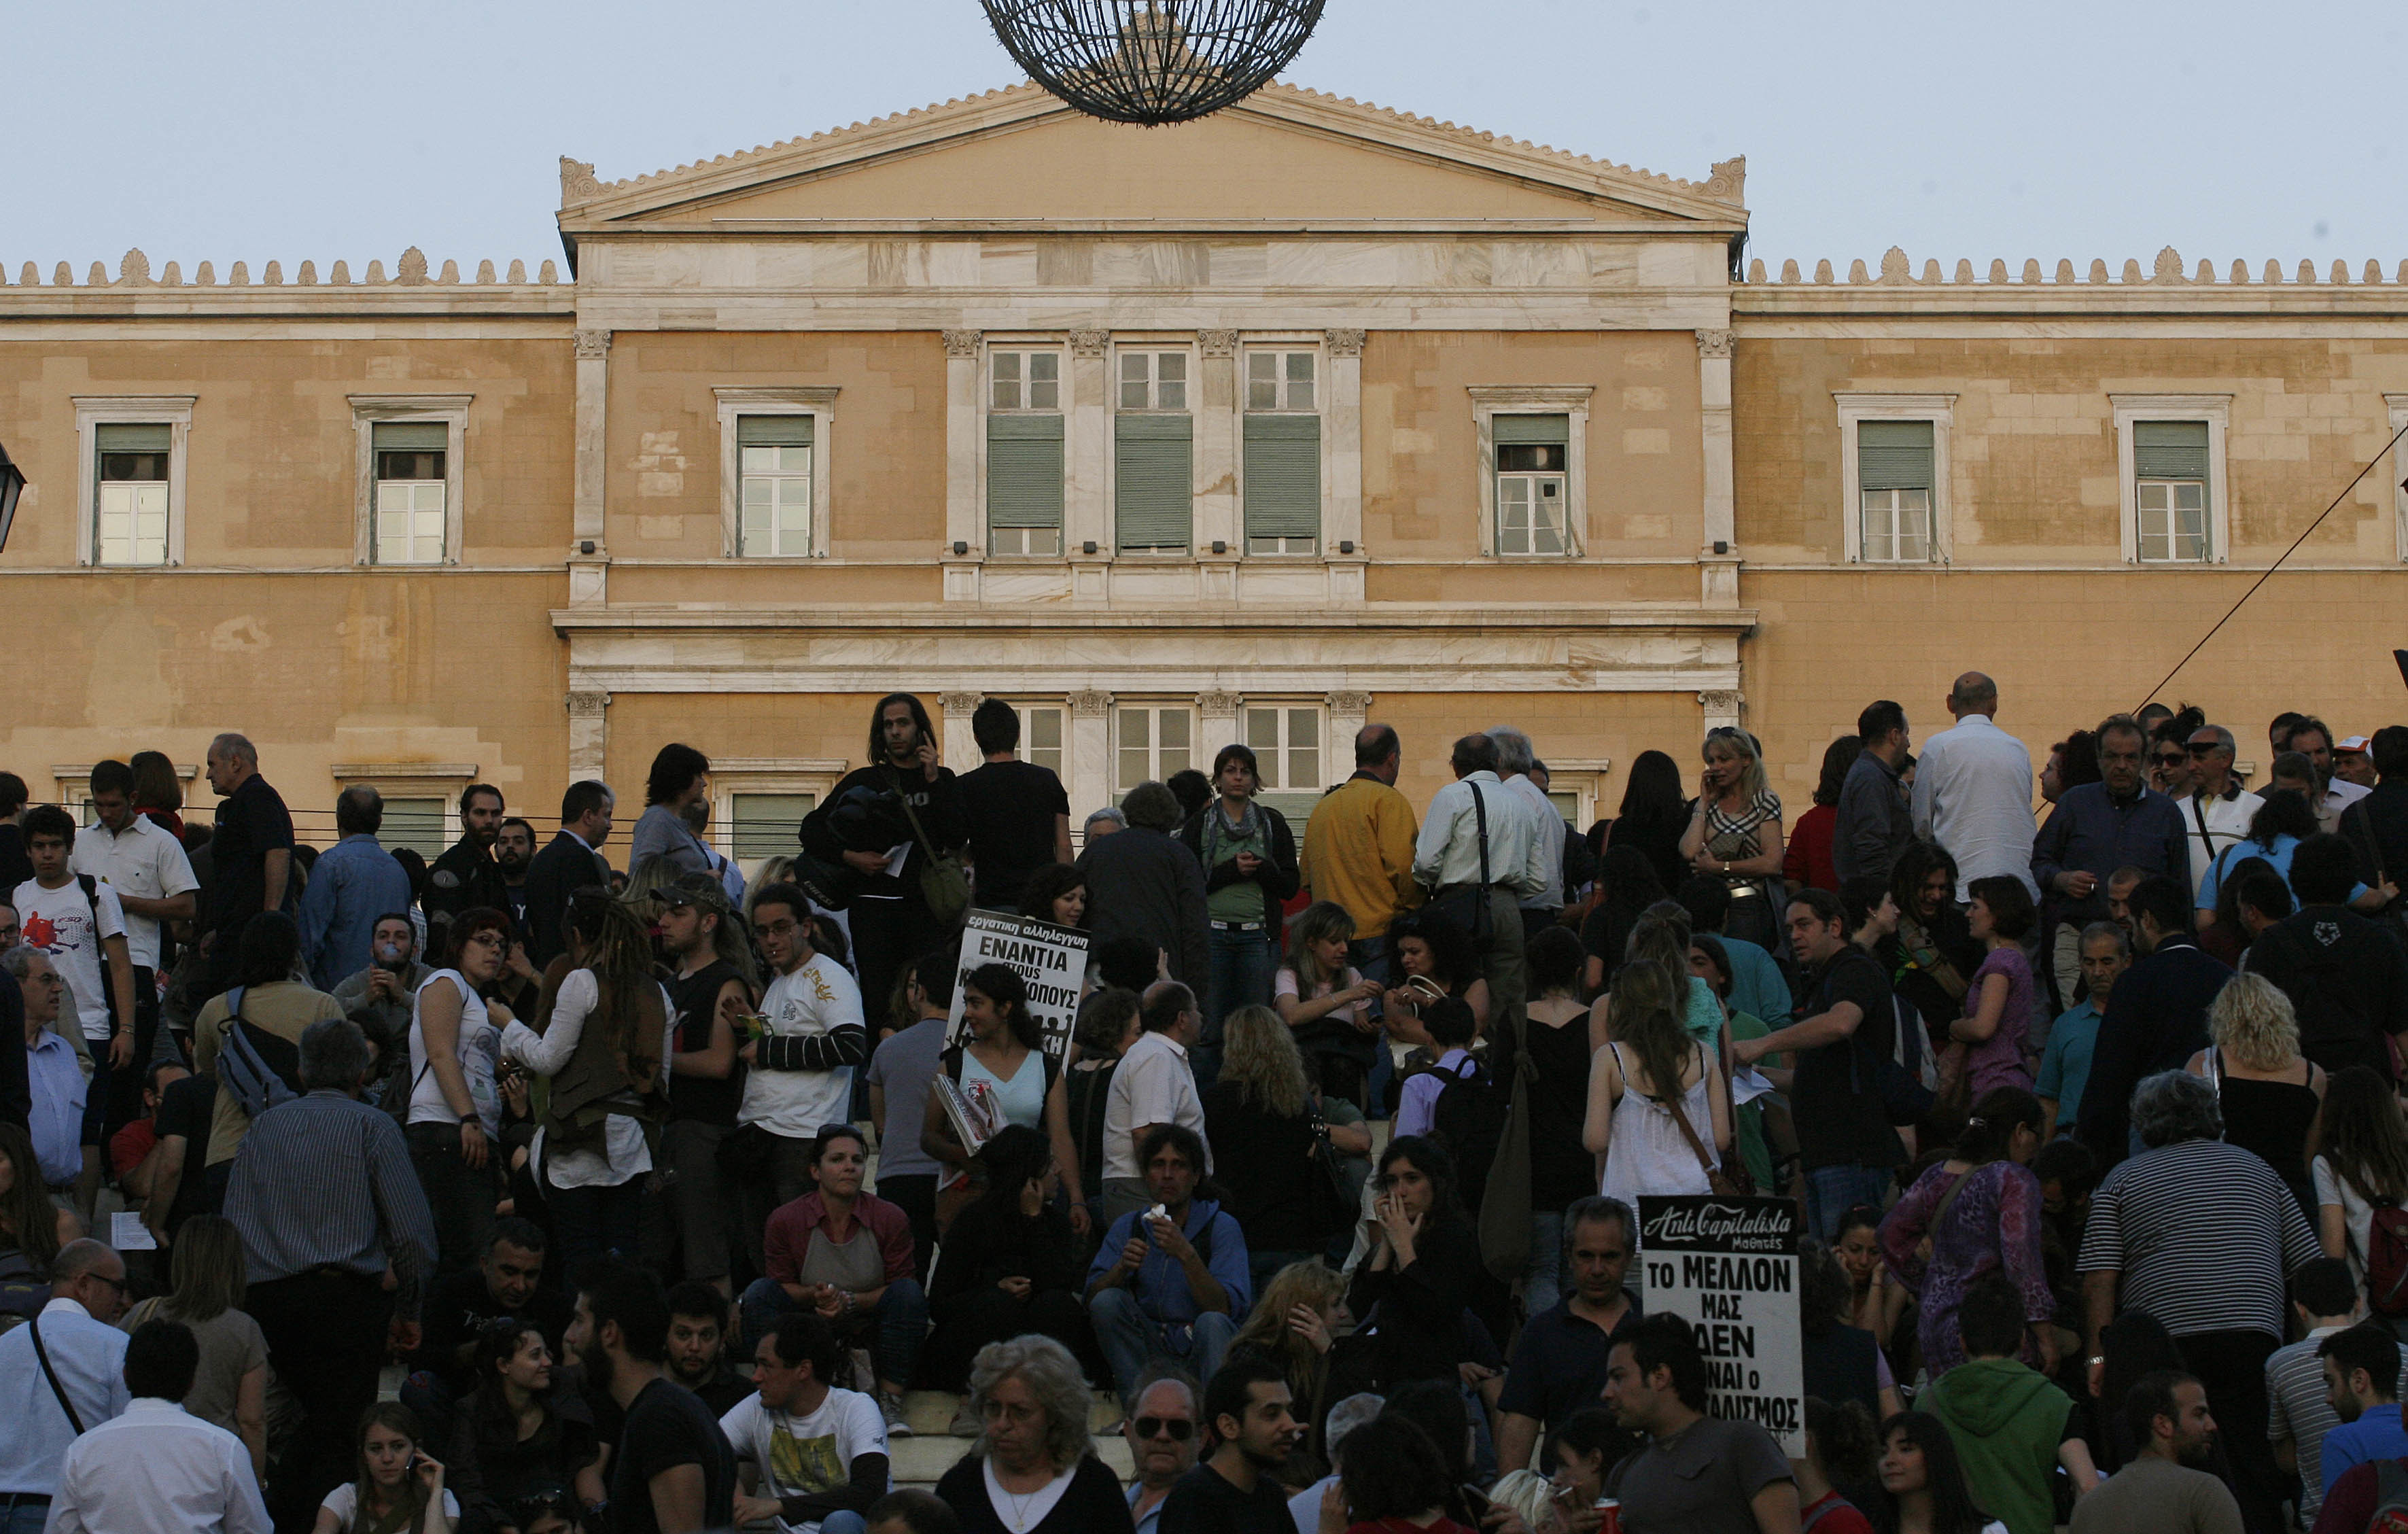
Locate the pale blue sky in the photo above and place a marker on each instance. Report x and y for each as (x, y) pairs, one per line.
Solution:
(251, 131)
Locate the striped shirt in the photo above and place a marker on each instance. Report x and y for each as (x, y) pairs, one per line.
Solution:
(2203, 1233)
(2298, 1408)
(325, 1182)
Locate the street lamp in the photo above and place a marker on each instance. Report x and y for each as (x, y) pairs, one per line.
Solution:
(1152, 62)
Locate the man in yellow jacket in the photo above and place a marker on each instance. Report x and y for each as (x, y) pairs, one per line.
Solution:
(1358, 852)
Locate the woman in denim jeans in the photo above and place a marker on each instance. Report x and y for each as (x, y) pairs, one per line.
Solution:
(1249, 858)
(452, 1079)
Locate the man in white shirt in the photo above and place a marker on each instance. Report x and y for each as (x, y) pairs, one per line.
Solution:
(1516, 760)
(1446, 857)
(811, 1456)
(155, 1468)
(2311, 738)
(800, 1063)
(1152, 1084)
(87, 1351)
(2218, 812)
(146, 866)
(82, 927)
(1974, 790)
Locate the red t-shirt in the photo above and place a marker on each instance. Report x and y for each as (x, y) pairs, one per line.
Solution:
(1832, 1513)
(129, 1145)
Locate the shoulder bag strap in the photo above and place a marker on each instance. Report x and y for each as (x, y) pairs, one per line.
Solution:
(1681, 1116)
(908, 813)
(51, 1373)
(2198, 819)
(1480, 808)
(1948, 1200)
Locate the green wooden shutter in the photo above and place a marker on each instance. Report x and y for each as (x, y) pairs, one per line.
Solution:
(1546, 430)
(412, 437)
(2169, 450)
(1894, 455)
(773, 431)
(1023, 471)
(1283, 476)
(1154, 480)
(135, 437)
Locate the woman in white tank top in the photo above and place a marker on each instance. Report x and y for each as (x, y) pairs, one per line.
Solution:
(1650, 1070)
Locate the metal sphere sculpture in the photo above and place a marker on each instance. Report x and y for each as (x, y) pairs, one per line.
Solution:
(1153, 62)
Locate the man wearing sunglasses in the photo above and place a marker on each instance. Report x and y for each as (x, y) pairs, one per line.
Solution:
(88, 1354)
(2217, 810)
(1163, 1444)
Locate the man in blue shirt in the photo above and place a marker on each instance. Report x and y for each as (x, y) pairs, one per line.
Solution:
(1169, 1282)
(2065, 1065)
(54, 1073)
(2361, 1366)
(351, 885)
(76, 1330)
(2097, 829)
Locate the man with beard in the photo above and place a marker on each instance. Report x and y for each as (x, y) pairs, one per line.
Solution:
(673, 1472)
(466, 875)
(513, 850)
(2166, 1489)
(1234, 1490)
(697, 1350)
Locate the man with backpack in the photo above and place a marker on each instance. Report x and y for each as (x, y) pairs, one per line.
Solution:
(249, 1038)
(2347, 977)
(79, 921)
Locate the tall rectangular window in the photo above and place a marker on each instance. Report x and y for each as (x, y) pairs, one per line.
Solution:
(414, 823)
(1895, 478)
(1024, 453)
(1281, 444)
(1153, 455)
(411, 458)
(1286, 743)
(774, 456)
(1154, 742)
(131, 503)
(2170, 470)
(1041, 736)
(1533, 453)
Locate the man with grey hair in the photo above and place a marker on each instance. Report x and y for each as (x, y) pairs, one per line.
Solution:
(327, 1205)
(1104, 821)
(1478, 833)
(1142, 883)
(1516, 762)
(2201, 1236)
(1165, 1433)
(76, 1332)
(2218, 812)
(1345, 1417)
(1560, 1360)
(1974, 790)
(251, 855)
(352, 883)
(56, 1087)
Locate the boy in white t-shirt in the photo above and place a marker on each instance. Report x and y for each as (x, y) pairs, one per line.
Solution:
(811, 1456)
(81, 930)
(798, 1064)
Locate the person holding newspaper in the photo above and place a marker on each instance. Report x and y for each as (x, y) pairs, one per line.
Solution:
(997, 1072)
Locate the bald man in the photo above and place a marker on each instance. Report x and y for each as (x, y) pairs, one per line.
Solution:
(1973, 789)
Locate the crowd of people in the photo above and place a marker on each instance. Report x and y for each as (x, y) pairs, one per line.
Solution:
(664, 1186)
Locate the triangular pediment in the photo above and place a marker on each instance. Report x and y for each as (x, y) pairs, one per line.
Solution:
(1284, 157)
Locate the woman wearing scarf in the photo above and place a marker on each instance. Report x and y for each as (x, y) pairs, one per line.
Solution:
(1249, 858)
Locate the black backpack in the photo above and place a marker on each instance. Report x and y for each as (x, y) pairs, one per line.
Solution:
(1468, 1119)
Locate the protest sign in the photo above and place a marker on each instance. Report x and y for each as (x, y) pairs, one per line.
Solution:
(1051, 961)
(1729, 1267)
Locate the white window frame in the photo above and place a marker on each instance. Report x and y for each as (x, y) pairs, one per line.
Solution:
(1156, 706)
(815, 401)
(1061, 355)
(1153, 351)
(1856, 408)
(2216, 410)
(1491, 400)
(1028, 731)
(367, 410)
(95, 412)
(1317, 738)
(1586, 779)
(1313, 346)
(734, 775)
(2398, 406)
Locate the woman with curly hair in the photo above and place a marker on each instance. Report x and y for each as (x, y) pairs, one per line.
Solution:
(1298, 1313)
(2270, 1093)
(1429, 955)
(601, 1050)
(1034, 1468)
(1261, 1116)
(1055, 892)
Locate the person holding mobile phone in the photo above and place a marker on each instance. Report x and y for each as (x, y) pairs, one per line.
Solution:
(399, 1487)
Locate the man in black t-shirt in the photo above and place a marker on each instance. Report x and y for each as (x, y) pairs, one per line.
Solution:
(178, 1180)
(674, 1472)
(507, 1281)
(1846, 1028)
(702, 938)
(251, 853)
(1020, 817)
(1234, 1491)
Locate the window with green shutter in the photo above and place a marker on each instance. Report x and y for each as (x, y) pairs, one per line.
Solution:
(1154, 480)
(414, 823)
(131, 516)
(1024, 483)
(1283, 481)
(410, 460)
(774, 455)
(1895, 477)
(763, 825)
(2170, 468)
(1533, 454)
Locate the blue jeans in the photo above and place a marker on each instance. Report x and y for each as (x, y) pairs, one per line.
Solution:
(895, 1326)
(1239, 972)
(845, 1521)
(1132, 1338)
(1832, 1191)
(25, 1518)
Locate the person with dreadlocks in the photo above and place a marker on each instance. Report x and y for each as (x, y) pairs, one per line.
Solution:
(601, 1050)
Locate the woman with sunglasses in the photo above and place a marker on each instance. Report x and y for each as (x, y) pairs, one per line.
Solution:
(1735, 834)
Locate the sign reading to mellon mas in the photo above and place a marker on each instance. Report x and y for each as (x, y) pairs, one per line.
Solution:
(1050, 960)
(1729, 1267)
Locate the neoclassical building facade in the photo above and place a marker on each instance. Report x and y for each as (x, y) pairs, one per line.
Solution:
(1252, 429)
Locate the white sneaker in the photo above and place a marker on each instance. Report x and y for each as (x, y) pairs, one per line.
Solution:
(897, 1424)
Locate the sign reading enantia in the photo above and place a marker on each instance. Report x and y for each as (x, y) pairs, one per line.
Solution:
(1051, 961)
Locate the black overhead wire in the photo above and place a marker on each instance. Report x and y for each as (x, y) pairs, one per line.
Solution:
(2363, 471)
